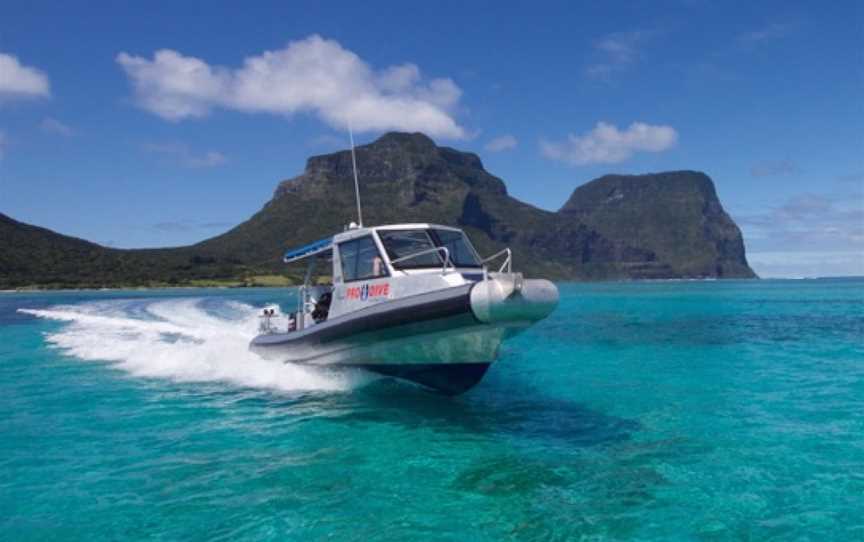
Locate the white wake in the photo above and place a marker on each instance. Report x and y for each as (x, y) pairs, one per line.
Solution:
(185, 341)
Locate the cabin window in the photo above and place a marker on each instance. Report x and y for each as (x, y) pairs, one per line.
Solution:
(361, 260)
(461, 252)
(405, 243)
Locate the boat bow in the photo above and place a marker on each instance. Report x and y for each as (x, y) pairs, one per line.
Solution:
(509, 298)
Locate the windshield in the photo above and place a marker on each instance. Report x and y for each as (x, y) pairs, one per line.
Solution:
(402, 243)
(461, 253)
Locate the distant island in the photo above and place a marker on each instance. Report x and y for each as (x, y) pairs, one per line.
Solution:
(654, 226)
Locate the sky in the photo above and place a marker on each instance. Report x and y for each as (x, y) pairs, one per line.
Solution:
(162, 124)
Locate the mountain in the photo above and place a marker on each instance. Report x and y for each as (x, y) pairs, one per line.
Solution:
(29, 251)
(34, 256)
(665, 225)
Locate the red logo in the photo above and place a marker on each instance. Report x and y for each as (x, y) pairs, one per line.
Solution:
(366, 291)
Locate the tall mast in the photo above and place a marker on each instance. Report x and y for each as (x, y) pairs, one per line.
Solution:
(356, 182)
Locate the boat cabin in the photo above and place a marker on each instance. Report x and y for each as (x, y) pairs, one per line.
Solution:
(371, 265)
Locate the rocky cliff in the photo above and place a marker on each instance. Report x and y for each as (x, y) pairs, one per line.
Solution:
(665, 225)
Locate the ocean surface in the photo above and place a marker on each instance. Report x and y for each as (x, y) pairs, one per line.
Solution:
(638, 411)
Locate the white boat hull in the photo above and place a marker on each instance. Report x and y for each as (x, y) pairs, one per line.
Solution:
(444, 339)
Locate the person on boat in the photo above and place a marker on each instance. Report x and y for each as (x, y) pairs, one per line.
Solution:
(265, 320)
(322, 307)
(377, 266)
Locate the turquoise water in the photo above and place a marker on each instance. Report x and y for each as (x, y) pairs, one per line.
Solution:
(665, 411)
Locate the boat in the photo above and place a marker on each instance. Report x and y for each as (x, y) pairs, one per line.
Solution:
(413, 301)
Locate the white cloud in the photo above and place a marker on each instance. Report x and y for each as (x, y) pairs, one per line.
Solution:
(313, 75)
(19, 81)
(769, 32)
(620, 47)
(399, 78)
(51, 125)
(503, 143)
(185, 157)
(809, 222)
(774, 169)
(616, 52)
(606, 144)
(208, 159)
(808, 235)
(806, 264)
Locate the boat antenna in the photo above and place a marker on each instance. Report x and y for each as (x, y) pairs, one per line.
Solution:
(356, 182)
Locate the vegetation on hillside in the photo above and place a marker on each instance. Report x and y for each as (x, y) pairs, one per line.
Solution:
(665, 225)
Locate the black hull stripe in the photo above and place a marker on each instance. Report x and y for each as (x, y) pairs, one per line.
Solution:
(383, 335)
(389, 314)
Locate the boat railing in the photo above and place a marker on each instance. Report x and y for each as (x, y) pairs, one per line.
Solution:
(266, 324)
(506, 264)
(447, 262)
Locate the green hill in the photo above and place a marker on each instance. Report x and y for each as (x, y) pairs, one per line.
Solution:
(665, 225)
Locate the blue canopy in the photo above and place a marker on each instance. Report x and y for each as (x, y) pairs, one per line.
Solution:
(311, 249)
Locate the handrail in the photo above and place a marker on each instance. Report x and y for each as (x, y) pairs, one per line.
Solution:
(508, 261)
(427, 251)
(265, 323)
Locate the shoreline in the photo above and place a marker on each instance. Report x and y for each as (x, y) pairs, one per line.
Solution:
(253, 281)
(38, 289)
(262, 287)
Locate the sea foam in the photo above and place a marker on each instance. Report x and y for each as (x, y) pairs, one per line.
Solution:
(186, 340)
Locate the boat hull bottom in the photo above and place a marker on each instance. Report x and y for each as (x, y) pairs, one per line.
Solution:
(444, 378)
